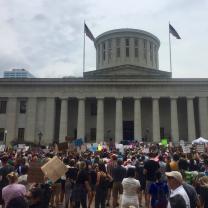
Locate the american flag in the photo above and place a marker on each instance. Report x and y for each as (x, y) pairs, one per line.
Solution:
(173, 32)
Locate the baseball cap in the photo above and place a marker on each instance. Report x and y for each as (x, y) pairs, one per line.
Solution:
(176, 175)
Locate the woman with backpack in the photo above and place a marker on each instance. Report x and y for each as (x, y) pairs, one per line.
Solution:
(102, 184)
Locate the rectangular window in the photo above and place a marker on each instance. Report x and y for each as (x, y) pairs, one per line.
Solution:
(136, 42)
(127, 42)
(118, 50)
(136, 48)
(145, 49)
(2, 130)
(127, 47)
(3, 105)
(93, 109)
(109, 50)
(23, 106)
(21, 134)
(103, 51)
(127, 52)
(136, 51)
(151, 53)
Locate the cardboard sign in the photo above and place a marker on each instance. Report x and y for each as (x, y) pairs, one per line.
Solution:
(2, 147)
(54, 169)
(83, 148)
(186, 149)
(63, 146)
(35, 174)
(200, 148)
(21, 146)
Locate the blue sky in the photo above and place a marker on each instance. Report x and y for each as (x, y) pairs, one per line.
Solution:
(46, 36)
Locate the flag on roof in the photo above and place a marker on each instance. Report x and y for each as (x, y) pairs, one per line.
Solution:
(88, 33)
(173, 32)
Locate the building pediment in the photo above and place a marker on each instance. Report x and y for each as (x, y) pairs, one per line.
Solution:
(127, 71)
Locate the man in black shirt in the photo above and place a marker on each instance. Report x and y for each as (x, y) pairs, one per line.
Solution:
(118, 174)
(150, 169)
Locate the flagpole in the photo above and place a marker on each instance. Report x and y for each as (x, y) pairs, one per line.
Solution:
(170, 48)
(84, 51)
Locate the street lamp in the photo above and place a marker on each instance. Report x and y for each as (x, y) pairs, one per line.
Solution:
(40, 134)
(5, 136)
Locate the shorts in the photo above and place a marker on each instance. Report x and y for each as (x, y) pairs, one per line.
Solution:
(93, 187)
(56, 187)
(148, 184)
(117, 189)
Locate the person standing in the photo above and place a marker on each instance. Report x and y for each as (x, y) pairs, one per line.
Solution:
(13, 190)
(118, 173)
(178, 196)
(150, 169)
(102, 183)
(131, 188)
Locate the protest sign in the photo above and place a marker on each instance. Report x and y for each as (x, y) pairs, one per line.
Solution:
(181, 142)
(200, 148)
(78, 142)
(186, 149)
(164, 141)
(54, 169)
(83, 148)
(2, 147)
(63, 146)
(21, 146)
(35, 174)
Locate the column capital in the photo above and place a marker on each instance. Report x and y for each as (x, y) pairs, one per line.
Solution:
(155, 97)
(81, 98)
(137, 98)
(173, 97)
(100, 98)
(119, 98)
(61, 98)
(190, 97)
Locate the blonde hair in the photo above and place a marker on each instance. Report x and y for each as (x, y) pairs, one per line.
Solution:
(203, 181)
(12, 177)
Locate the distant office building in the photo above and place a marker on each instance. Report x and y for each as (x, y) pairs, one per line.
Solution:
(18, 73)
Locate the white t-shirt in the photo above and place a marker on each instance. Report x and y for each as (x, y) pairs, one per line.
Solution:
(130, 191)
(181, 191)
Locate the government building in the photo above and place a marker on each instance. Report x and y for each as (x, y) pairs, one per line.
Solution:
(127, 97)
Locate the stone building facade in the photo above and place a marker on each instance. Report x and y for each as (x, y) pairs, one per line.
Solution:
(127, 97)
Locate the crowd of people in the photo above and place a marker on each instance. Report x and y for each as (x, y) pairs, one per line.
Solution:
(162, 177)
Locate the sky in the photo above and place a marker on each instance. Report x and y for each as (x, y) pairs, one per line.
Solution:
(45, 37)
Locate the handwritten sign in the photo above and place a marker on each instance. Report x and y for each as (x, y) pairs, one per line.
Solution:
(54, 169)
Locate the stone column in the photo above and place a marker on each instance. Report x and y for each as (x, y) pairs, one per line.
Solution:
(11, 120)
(119, 121)
(63, 119)
(191, 119)
(31, 119)
(50, 120)
(174, 120)
(155, 119)
(100, 120)
(137, 119)
(203, 117)
(81, 119)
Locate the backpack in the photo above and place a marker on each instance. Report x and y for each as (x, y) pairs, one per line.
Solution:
(104, 182)
(161, 195)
